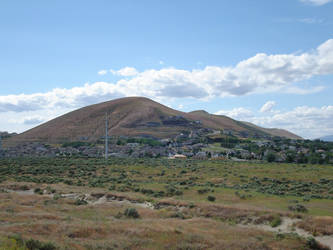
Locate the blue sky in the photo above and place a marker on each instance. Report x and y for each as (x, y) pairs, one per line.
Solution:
(227, 57)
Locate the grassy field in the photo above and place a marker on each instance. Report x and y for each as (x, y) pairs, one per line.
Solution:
(76, 203)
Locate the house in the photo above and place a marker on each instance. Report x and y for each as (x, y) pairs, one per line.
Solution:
(178, 156)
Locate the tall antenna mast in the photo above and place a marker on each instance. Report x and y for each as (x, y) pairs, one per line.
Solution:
(106, 137)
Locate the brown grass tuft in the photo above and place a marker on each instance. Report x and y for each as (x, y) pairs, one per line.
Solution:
(317, 225)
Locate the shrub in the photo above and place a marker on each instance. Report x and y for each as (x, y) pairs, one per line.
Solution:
(37, 245)
(75, 144)
(80, 202)
(203, 191)
(270, 157)
(298, 208)
(131, 213)
(191, 205)
(38, 191)
(56, 197)
(179, 215)
(313, 244)
(211, 198)
(276, 221)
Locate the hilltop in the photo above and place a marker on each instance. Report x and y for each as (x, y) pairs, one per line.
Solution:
(138, 116)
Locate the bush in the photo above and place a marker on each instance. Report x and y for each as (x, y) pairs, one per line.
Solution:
(80, 202)
(37, 245)
(298, 208)
(17, 242)
(270, 157)
(211, 198)
(56, 197)
(276, 221)
(38, 191)
(313, 244)
(75, 144)
(203, 191)
(131, 213)
(179, 215)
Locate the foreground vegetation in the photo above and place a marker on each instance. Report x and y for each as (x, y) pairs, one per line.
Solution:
(159, 203)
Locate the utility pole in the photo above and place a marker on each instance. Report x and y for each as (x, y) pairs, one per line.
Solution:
(106, 137)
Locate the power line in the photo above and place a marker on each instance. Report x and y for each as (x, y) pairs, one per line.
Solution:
(106, 137)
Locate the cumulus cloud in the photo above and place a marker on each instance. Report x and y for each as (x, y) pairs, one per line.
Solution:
(258, 74)
(316, 2)
(126, 71)
(60, 98)
(261, 73)
(236, 113)
(267, 107)
(102, 72)
(301, 91)
(308, 122)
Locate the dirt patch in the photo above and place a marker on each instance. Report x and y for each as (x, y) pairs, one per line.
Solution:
(289, 225)
(21, 192)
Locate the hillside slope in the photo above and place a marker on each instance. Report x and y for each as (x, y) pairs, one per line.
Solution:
(132, 116)
(274, 131)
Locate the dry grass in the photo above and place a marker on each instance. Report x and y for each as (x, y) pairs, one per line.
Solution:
(97, 227)
(317, 225)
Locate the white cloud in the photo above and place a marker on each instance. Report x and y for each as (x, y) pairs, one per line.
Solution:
(267, 107)
(316, 2)
(308, 122)
(301, 91)
(126, 71)
(102, 72)
(13, 122)
(60, 98)
(261, 73)
(258, 74)
(236, 113)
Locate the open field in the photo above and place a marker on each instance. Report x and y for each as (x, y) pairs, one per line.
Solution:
(76, 203)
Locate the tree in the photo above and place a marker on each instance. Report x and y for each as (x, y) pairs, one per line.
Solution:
(270, 157)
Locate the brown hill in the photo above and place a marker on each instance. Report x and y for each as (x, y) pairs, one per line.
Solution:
(132, 116)
(275, 131)
(215, 121)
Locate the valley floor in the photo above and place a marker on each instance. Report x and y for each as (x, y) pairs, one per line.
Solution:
(164, 204)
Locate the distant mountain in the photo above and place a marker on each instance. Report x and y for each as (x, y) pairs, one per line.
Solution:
(327, 138)
(137, 116)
